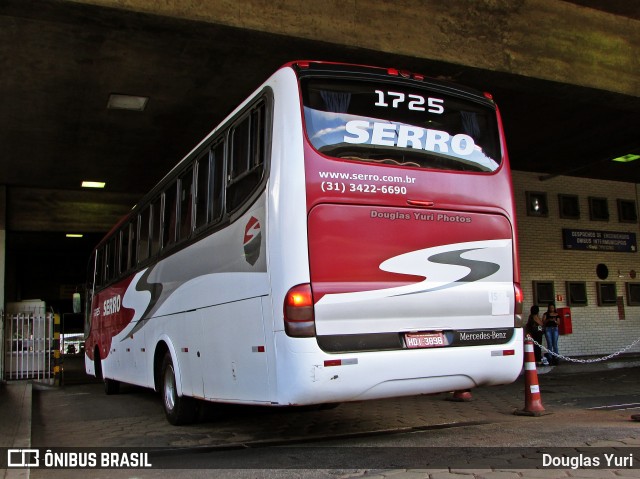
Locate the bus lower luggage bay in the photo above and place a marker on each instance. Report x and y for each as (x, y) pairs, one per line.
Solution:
(347, 233)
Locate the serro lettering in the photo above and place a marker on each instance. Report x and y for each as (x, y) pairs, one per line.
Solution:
(111, 305)
(405, 136)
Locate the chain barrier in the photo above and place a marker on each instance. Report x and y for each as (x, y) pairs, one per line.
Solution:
(593, 360)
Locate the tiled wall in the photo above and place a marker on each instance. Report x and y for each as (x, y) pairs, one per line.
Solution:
(597, 330)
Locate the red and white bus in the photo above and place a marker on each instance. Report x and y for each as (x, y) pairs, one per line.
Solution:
(347, 233)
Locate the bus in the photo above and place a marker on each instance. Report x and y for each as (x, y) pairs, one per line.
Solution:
(346, 233)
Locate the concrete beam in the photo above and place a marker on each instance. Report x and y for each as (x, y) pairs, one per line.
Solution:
(545, 39)
(34, 209)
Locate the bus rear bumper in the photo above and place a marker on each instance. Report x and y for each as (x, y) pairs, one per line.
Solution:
(311, 376)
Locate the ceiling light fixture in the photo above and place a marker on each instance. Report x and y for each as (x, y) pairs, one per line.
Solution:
(73, 235)
(627, 158)
(93, 184)
(127, 102)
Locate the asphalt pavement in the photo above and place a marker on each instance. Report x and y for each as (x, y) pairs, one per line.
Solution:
(588, 408)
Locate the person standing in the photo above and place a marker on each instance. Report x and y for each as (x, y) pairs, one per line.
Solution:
(551, 320)
(535, 329)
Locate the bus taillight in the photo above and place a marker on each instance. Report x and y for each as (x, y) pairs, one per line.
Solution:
(299, 321)
(517, 314)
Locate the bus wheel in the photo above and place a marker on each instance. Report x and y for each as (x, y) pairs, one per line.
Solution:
(178, 409)
(111, 386)
(97, 365)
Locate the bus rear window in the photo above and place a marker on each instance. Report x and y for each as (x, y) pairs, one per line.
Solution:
(395, 124)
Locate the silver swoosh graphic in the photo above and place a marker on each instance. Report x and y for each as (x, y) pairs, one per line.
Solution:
(477, 269)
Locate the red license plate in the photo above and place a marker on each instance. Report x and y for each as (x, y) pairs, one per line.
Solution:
(425, 340)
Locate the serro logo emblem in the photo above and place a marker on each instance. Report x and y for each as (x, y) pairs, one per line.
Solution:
(252, 240)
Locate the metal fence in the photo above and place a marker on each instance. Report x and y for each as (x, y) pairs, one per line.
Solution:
(28, 346)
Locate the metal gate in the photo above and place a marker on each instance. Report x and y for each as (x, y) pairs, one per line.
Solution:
(28, 346)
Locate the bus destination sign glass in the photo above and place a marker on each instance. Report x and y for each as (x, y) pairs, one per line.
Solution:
(592, 240)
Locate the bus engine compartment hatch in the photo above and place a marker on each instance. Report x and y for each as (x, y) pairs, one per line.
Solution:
(403, 270)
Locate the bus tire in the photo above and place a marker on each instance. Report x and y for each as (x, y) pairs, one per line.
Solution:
(111, 386)
(97, 365)
(178, 409)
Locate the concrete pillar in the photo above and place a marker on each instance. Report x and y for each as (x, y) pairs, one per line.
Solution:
(3, 256)
(3, 241)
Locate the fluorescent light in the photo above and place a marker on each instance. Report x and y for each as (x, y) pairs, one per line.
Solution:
(73, 235)
(127, 102)
(627, 158)
(93, 184)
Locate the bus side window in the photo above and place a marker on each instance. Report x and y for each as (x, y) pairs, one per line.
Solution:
(105, 265)
(186, 202)
(99, 273)
(110, 261)
(88, 294)
(217, 182)
(240, 151)
(258, 131)
(133, 241)
(247, 157)
(169, 218)
(202, 190)
(143, 239)
(156, 219)
(124, 249)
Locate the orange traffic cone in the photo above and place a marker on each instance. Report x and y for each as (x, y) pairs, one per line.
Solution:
(532, 398)
(463, 395)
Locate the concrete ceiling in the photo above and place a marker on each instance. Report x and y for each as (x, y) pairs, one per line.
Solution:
(61, 59)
